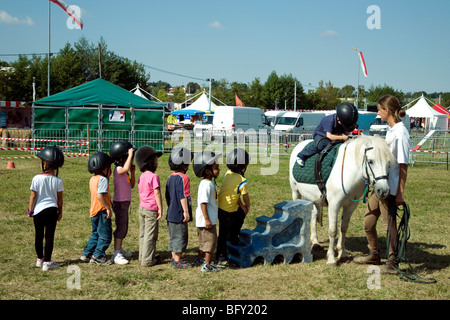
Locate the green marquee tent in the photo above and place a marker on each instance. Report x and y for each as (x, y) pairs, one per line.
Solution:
(101, 112)
(97, 92)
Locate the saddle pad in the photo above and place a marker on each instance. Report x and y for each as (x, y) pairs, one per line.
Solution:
(307, 173)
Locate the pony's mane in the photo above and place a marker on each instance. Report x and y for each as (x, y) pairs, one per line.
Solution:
(380, 147)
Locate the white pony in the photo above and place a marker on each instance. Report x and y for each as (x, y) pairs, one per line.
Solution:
(364, 160)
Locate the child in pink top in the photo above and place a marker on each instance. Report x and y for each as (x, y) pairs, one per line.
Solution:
(124, 179)
(150, 206)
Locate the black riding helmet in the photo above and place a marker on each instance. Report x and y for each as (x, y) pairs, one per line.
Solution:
(120, 149)
(202, 160)
(143, 154)
(237, 160)
(98, 162)
(348, 115)
(52, 155)
(179, 157)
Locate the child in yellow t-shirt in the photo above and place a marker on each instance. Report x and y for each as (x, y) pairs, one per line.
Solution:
(232, 210)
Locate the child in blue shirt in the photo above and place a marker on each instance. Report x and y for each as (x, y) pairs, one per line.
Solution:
(332, 127)
(179, 211)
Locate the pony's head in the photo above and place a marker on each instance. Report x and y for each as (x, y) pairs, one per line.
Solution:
(376, 157)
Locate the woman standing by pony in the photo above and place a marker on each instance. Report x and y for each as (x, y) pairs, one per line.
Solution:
(390, 111)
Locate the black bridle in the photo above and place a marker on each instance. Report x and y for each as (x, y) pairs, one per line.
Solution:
(368, 166)
(367, 182)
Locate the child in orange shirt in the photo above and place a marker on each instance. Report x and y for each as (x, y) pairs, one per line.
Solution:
(100, 212)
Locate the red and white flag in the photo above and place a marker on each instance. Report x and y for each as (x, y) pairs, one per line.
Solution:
(239, 103)
(66, 8)
(363, 63)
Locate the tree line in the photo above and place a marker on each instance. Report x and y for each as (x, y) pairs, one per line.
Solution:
(84, 61)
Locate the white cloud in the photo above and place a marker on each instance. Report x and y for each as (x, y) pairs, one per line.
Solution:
(329, 33)
(216, 25)
(5, 17)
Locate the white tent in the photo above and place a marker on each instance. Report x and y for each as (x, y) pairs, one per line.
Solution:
(201, 104)
(434, 120)
(139, 93)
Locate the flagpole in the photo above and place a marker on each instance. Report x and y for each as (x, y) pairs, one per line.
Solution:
(48, 68)
(357, 88)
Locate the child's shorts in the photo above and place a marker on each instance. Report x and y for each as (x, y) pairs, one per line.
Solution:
(120, 209)
(207, 239)
(178, 236)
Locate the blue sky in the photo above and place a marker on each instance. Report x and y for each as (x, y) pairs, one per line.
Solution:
(247, 39)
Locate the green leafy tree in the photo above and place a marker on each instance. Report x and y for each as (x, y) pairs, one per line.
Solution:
(221, 90)
(347, 91)
(255, 93)
(375, 93)
(72, 66)
(192, 87)
(272, 91)
(178, 95)
(162, 95)
(326, 97)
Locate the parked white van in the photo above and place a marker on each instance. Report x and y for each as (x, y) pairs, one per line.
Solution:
(380, 127)
(273, 117)
(299, 122)
(231, 118)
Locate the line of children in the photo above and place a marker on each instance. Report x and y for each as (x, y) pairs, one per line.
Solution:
(225, 208)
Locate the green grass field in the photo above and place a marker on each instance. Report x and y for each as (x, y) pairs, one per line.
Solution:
(428, 248)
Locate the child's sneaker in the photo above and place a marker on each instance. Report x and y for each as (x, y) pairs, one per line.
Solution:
(179, 264)
(301, 162)
(119, 259)
(85, 258)
(101, 260)
(209, 268)
(223, 263)
(198, 261)
(127, 255)
(49, 265)
(39, 263)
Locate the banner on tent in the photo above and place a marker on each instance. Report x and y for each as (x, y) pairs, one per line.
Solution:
(116, 116)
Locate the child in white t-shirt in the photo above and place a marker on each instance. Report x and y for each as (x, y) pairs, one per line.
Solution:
(45, 205)
(206, 214)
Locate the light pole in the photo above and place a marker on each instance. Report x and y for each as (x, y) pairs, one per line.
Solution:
(295, 95)
(210, 84)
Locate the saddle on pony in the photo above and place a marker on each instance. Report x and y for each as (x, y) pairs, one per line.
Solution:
(317, 169)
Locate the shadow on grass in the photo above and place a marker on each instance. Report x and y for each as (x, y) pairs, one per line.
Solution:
(416, 253)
